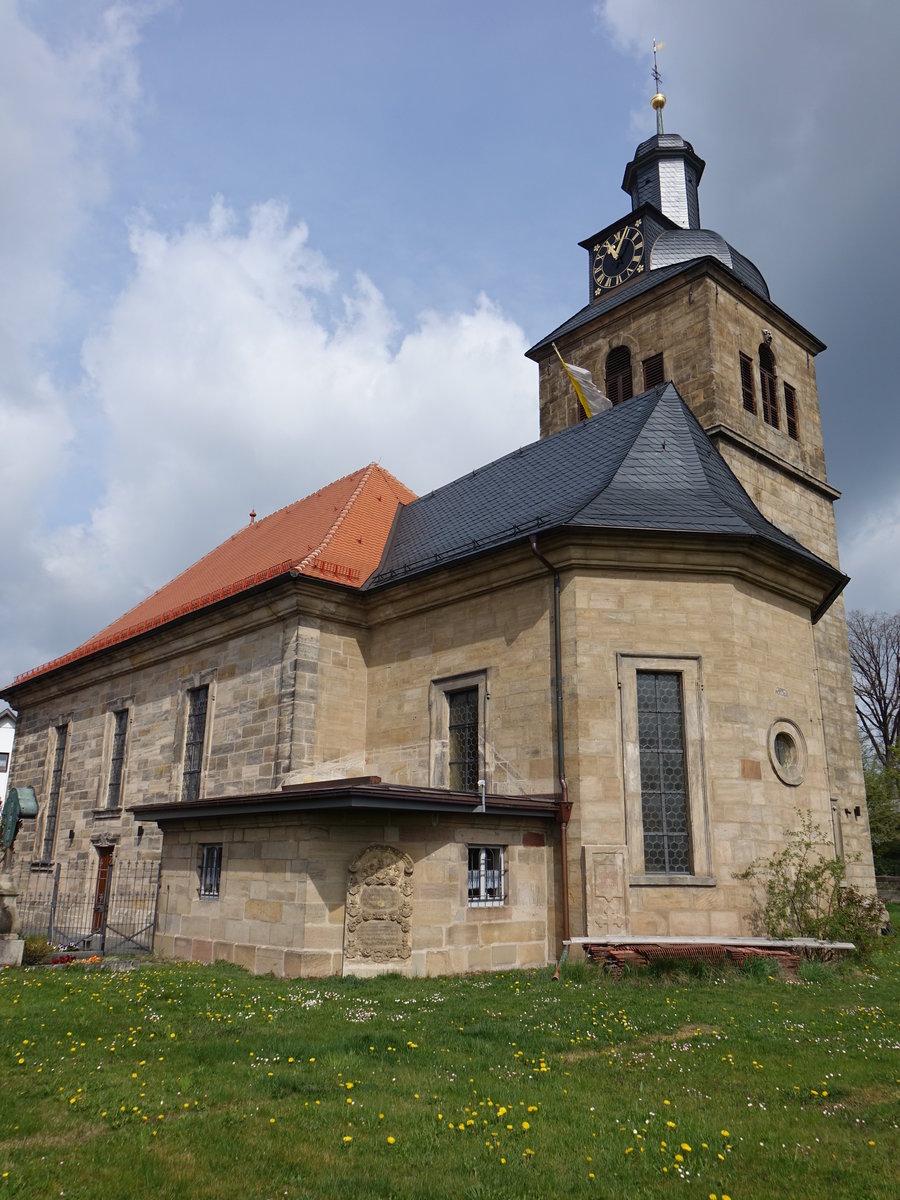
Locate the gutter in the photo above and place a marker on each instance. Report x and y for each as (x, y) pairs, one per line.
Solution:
(565, 810)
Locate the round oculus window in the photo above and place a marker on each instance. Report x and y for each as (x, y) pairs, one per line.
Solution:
(787, 752)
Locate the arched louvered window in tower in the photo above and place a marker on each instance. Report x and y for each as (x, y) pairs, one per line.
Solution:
(618, 375)
(767, 386)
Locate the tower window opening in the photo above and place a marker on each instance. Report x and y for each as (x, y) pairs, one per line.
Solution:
(654, 371)
(747, 393)
(619, 385)
(790, 412)
(767, 386)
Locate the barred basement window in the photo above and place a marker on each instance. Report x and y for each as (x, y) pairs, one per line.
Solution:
(211, 869)
(664, 797)
(767, 386)
(618, 375)
(463, 740)
(117, 759)
(52, 818)
(654, 372)
(747, 394)
(790, 412)
(198, 702)
(487, 885)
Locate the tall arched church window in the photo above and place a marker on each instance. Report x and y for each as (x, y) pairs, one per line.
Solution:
(767, 386)
(618, 375)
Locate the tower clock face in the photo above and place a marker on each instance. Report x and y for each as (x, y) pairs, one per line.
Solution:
(618, 258)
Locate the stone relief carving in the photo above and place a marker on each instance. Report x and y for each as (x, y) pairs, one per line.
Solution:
(607, 895)
(378, 919)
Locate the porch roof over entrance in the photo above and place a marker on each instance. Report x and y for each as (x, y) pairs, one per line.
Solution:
(366, 792)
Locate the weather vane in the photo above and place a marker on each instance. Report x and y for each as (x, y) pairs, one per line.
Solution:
(659, 101)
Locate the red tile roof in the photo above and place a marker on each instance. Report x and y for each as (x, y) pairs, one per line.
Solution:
(337, 534)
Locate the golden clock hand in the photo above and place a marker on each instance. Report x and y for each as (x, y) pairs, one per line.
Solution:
(610, 250)
(619, 243)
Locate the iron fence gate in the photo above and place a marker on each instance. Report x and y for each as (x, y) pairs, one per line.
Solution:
(110, 906)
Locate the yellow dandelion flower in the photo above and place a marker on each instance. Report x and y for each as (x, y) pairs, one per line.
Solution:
(391, 1141)
(685, 1147)
(347, 1138)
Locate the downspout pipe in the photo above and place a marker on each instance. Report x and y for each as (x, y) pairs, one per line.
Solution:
(565, 807)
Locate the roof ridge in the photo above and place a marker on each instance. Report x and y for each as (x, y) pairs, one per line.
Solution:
(339, 520)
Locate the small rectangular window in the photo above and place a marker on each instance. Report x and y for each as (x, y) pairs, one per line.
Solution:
(487, 885)
(211, 869)
(52, 817)
(463, 740)
(117, 759)
(790, 412)
(4, 762)
(654, 371)
(747, 384)
(198, 700)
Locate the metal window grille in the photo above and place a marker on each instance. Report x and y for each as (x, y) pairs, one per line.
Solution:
(463, 740)
(619, 385)
(211, 870)
(767, 386)
(198, 699)
(62, 735)
(487, 883)
(747, 395)
(117, 760)
(654, 371)
(790, 412)
(664, 795)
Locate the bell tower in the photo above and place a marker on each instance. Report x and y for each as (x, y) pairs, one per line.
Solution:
(671, 301)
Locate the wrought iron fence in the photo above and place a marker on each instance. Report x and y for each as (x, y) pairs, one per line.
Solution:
(110, 908)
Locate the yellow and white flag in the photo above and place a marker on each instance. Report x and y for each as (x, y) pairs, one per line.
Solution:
(592, 400)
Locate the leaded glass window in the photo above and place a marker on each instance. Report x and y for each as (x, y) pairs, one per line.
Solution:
(463, 740)
(117, 759)
(664, 796)
(486, 883)
(198, 699)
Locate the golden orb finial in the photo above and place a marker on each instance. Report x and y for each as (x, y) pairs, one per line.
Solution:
(658, 101)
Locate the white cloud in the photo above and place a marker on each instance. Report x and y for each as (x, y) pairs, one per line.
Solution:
(60, 111)
(226, 385)
(871, 557)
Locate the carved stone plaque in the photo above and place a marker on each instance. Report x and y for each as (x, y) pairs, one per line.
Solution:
(607, 896)
(379, 906)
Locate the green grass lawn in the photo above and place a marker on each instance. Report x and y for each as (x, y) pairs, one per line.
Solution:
(206, 1082)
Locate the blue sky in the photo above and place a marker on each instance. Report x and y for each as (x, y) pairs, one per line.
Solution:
(249, 248)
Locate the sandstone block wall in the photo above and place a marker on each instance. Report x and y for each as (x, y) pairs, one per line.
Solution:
(283, 895)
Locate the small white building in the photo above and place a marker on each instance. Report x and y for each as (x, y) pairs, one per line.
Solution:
(7, 737)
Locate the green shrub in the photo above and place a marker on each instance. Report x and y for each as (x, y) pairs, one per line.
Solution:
(37, 950)
(805, 894)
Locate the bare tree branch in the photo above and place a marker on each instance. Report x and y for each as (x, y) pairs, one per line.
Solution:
(875, 658)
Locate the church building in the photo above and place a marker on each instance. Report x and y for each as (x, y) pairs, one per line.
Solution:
(571, 694)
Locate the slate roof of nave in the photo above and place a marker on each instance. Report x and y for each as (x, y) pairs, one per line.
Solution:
(645, 465)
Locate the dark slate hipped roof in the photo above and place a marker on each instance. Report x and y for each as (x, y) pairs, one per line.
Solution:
(645, 465)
